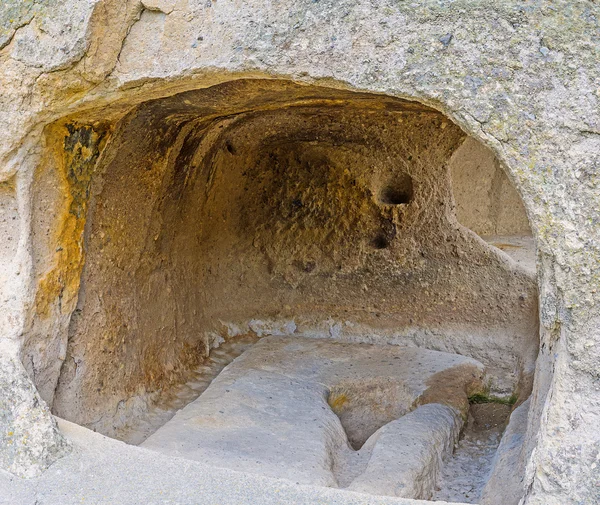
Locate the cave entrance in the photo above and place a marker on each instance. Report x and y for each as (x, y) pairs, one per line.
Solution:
(256, 209)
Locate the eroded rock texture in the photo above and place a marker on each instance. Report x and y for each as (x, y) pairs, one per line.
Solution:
(278, 208)
(370, 418)
(521, 77)
(29, 438)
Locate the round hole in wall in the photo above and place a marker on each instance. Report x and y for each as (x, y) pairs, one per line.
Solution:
(398, 191)
(380, 242)
(230, 147)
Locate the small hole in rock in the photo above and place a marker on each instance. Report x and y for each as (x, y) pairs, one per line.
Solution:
(380, 242)
(230, 148)
(397, 192)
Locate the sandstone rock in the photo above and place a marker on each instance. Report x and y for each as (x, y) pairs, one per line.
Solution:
(273, 411)
(522, 78)
(29, 438)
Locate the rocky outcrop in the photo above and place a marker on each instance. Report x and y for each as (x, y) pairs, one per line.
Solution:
(520, 77)
(29, 438)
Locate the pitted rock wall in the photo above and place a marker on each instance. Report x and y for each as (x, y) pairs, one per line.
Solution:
(327, 212)
(520, 76)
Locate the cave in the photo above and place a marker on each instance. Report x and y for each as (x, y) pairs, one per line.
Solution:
(355, 264)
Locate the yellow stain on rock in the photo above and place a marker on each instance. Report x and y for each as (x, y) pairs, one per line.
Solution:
(75, 151)
(337, 403)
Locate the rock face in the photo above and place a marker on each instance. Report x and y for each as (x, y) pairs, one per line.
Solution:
(294, 408)
(317, 212)
(29, 438)
(486, 201)
(522, 78)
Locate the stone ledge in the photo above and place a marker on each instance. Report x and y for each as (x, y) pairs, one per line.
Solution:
(101, 470)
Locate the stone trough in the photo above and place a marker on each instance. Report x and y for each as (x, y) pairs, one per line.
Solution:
(368, 418)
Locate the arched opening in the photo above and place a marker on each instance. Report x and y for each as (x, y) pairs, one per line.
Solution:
(313, 233)
(488, 204)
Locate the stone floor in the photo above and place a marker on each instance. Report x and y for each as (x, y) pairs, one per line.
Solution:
(520, 248)
(293, 420)
(103, 471)
(373, 419)
(160, 411)
(465, 474)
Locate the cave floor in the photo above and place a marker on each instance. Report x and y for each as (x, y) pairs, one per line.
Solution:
(104, 471)
(374, 419)
(465, 474)
(291, 420)
(171, 401)
(521, 248)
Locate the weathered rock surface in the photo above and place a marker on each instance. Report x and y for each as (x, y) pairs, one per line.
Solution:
(509, 462)
(29, 438)
(148, 477)
(273, 411)
(520, 76)
(407, 454)
(265, 207)
(486, 200)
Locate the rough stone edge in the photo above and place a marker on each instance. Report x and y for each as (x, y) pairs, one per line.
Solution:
(30, 440)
